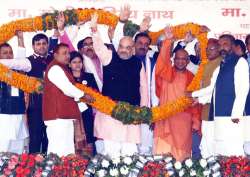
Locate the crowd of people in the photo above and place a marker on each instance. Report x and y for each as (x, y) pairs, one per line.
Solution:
(127, 69)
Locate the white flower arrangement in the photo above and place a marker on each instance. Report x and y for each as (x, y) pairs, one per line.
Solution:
(105, 163)
(113, 172)
(181, 172)
(132, 166)
(177, 165)
(127, 160)
(203, 163)
(101, 173)
(124, 170)
(206, 172)
(116, 161)
(188, 163)
(192, 172)
(168, 159)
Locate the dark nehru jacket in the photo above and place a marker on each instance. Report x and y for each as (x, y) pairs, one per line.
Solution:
(37, 128)
(224, 87)
(38, 67)
(11, 104)
(121, 79)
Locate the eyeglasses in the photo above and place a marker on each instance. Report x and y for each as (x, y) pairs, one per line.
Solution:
(88, 45)
(212, 48)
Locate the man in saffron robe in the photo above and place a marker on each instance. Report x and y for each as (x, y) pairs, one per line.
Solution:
(174, 135)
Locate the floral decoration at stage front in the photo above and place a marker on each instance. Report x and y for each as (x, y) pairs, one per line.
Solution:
(38, 165)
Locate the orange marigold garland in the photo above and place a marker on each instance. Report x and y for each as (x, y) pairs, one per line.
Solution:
(21, 81)
(102, 103)
(170, 109)
(196, 82)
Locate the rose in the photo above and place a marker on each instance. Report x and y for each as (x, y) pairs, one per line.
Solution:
(206, 173)
(31, 163)
(105, 163)
(7, 171)
(177, 165)
(124, 170)
(192, 172)
(19, 170)
(113, 172)
(39, 158)
(38, 172)
(203, 163)
(127, 160)
(116, 160)
(188, 163)
(48, 168)
(101, 173)
(14, 159)
(26, 171)
(50, 162)
(45, 173)
(170, 172)
(168, 159)
(11, 166)
(181, 172)
(24, 157)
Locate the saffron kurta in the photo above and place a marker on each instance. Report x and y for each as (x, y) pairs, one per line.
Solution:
(173, 135)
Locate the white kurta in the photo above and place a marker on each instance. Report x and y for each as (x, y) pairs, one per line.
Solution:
(13, 133)
(229, 136)
(146, 145)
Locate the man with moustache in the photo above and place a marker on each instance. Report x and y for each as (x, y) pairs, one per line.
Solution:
(60, 94)
(229, 88)
(85, 46)
(12, 103)
(143, 54)
(118, 69)
(36, 65)
(214, 59)
(91, 60)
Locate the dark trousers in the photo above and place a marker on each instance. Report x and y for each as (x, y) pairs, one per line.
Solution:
(196, 141)
(88, 123)
(37, 131)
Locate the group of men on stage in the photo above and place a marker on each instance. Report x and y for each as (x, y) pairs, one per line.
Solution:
(127, 69)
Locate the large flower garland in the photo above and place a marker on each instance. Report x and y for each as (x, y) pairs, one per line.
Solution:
(122, 111)
(21, 81)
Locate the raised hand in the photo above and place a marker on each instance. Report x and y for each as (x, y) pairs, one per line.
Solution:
(111, 31)
(204, 29)
(93, 22)
(20, 39)
(168, 33)
(145, 24)
(60, 21)
(125, 13)
(56, 33)
(189, 37)
(87, 98)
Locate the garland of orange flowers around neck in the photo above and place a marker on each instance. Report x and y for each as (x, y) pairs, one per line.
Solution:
(102, 103)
